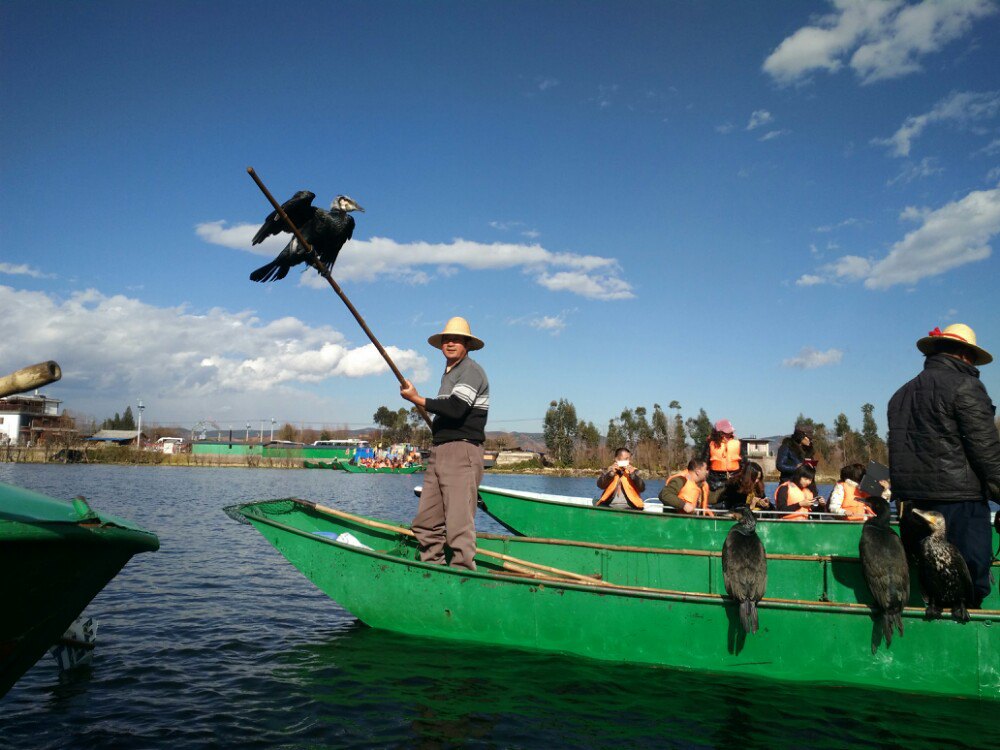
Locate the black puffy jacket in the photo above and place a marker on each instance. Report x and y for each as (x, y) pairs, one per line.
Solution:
(943, 444)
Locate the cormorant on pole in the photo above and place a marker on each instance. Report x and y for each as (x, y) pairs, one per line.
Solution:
(944, 575)
(886, 573)
(326, 231)
(744, 567)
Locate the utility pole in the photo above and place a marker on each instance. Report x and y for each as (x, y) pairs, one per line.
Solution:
(138, 432)
(272, 429)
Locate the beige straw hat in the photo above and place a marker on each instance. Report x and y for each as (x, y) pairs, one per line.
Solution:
(955, 332)
(457, 327)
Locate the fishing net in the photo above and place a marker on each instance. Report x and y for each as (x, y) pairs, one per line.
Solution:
(241, 513)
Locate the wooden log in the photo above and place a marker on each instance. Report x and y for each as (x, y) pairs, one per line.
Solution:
(29, 378)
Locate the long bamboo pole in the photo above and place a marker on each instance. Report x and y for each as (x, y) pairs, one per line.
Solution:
(315, 262)
(514, 562)
(27, 378)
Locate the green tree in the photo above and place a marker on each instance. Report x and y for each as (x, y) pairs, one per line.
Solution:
(395, 424)
(629, 427)
(614, 439)
(420, 433)
(869, 435)
(560, 431)
(287, 432)
(660, 427)
(590, 438)
(699, 428)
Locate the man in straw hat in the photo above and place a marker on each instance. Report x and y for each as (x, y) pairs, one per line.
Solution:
(447, 509)
(944, 453)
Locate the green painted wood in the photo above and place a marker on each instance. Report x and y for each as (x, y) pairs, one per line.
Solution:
(55, 557)
(532, 514)
(685, 624)
(355, 469)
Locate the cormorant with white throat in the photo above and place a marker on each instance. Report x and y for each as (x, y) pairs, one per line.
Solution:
(944, 575)
(326, 231)
(744, 566)
(883, 561)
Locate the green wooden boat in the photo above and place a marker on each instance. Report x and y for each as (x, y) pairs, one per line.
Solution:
(356, 469)
(649, 606)
(55, 557)
(334, 464)
(564, 517)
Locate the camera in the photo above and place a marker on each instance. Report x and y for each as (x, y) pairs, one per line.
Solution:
(622, 464)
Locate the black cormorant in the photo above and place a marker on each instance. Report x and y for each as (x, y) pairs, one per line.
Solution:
(944, 575)
(326, 231)
(744, 566)
(886, 572)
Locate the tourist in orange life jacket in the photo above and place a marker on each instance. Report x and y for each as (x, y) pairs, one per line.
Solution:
(796, 496)
(622, 485)
(687, 490)
(746, 487)
(847, 498)
(724, 456)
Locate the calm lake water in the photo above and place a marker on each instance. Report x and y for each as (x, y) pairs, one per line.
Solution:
(216, 641)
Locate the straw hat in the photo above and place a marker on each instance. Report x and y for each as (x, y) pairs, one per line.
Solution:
(955, 332)
(457, 327)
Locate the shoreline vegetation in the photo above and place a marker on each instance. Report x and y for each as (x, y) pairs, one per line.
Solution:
(130, 456)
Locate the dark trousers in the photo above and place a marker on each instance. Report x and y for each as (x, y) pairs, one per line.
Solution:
(967, 526)
(447, 510)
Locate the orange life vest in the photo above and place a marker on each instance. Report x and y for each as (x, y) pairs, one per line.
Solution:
(692, 493)
(804, 498)
(631, 494)
(724, 456)
(853, 506)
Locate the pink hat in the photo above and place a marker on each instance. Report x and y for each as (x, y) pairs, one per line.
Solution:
(724, 426)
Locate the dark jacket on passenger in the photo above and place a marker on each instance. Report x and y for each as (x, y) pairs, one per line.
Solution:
(943, 444)
(790, 457)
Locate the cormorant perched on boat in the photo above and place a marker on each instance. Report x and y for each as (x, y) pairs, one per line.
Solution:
(944, 575)
(883, 561)
(744, 566)
(326, 231)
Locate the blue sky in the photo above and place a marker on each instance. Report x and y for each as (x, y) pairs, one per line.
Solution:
(755, 209)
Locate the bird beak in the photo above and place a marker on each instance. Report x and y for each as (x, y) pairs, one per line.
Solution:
(922, 517)
(358, 208)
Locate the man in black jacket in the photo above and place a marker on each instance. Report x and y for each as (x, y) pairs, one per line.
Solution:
(944, 452)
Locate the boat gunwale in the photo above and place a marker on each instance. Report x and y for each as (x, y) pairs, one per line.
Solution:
(983, 615)
(543, 497)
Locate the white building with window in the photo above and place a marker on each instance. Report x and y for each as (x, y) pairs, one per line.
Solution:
(21, 417)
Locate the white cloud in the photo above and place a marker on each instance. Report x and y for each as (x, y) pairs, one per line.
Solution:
(849, 222)
(771, 134)
(911, 171)
(545, 84)
(993, 176)
(960, 107)
(23, 269)
(990, 149)
(954, 235)
(115, 347)
(531, 234)
(605, 95)
(809, 358)
(725, 128)
(759, 119)
(878, 39)
(808, 279)
(593, 276)
(552, 324)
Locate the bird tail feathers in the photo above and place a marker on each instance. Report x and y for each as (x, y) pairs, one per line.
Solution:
(273, 271)
(748, 615)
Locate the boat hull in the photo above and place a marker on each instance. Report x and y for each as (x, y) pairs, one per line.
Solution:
(355, 469)
(53, 562)
(387, 588)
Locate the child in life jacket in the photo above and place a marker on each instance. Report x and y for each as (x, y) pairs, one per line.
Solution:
(847, 498)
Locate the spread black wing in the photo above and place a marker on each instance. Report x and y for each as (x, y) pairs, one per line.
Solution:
(299, 209)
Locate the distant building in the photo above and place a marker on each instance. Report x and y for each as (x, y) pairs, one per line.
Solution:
(759, 450)
(23, 418)
(118, 437)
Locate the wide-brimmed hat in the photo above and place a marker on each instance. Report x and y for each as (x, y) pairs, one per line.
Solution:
(959, 332)
(457, 327)
(724, 426)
